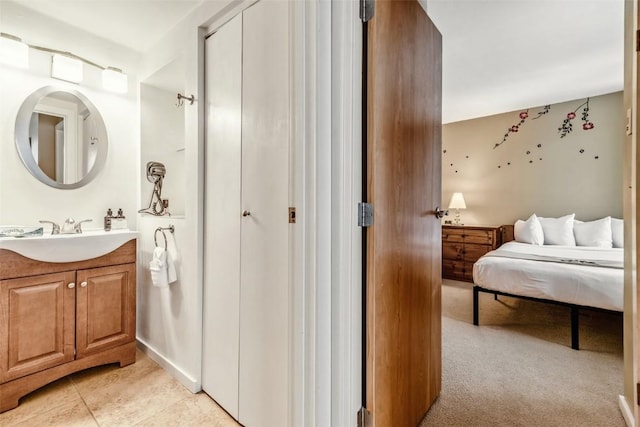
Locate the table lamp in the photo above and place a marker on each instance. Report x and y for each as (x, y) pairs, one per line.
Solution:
(457, 203)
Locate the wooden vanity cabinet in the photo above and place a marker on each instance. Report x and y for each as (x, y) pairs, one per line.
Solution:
(60, 318)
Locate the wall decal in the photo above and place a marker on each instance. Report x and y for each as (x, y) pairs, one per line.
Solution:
(567, 126)
(523, 115)
(514, 128)
(544, 111)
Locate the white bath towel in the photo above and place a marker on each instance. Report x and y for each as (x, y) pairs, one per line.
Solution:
(158, 268)
(172, 276)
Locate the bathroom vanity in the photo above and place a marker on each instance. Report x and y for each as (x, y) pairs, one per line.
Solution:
(61, 317)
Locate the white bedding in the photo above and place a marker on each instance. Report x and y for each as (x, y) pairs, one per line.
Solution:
(587, 285)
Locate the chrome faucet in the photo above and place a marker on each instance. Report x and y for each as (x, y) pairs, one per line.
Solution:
(70, 226)
(55, 227)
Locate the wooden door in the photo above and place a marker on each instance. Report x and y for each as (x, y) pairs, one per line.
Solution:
(403, 272)
(106, 308)
(264, 277)
(37, 317)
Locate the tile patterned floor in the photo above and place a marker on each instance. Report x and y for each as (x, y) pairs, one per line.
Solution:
(142, 394)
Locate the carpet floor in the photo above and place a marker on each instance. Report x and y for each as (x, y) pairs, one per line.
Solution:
(518, 369)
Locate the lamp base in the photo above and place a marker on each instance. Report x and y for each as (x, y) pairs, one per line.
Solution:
(456, 219)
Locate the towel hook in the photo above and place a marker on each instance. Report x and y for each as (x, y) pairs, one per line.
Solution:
(171, 228)
(181, 99)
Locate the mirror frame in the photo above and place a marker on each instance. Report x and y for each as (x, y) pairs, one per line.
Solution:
(23, 120)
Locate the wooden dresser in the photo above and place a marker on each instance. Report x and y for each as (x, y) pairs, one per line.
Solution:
(463, 245)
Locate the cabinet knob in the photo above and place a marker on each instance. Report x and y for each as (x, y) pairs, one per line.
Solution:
(246, 213)
(71, 285)
(83, 284)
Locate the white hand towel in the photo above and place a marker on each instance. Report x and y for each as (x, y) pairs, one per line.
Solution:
(171, 269)
(158, 268)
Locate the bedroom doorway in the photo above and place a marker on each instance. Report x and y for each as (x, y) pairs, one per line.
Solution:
(629, 215)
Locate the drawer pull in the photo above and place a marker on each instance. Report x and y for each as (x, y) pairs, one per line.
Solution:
(71, 285)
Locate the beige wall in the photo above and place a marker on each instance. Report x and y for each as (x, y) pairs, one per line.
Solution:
(504, 183)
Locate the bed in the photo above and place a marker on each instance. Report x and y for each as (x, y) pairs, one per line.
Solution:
(578, 277)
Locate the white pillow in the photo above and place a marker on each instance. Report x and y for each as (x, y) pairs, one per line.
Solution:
(558, 231)
(529, 231)
(617, 232)
(593, 233)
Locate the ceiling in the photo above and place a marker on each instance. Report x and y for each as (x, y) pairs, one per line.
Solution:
(136, 24)
(504, 55)
(498, 55)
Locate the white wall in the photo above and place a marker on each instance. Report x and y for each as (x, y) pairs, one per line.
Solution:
(505, 183)
(167, 317)
(23, 199)
(162, 140)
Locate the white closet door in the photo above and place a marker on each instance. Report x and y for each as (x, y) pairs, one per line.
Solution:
(221, 313)
(264, 301)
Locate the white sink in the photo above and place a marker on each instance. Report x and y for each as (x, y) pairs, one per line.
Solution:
(68, 247)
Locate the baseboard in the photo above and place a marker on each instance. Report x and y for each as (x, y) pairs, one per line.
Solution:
(627, 414)
(189, 383)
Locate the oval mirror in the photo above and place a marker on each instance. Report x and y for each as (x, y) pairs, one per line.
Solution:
(61, 137)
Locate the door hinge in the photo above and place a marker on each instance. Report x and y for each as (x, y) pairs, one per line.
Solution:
(365, 214)
(366, 10)
(638, 393)
(292, 215)
(637, 36)
(364, 417)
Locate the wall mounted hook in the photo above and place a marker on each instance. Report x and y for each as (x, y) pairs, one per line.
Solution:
(181, 99)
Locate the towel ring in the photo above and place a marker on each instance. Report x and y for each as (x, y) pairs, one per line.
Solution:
(161, 229)
(155, 238)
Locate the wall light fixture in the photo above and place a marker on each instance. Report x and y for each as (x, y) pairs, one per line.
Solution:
(66, 68)
(115, 80)
(65, 65)
(13, 51)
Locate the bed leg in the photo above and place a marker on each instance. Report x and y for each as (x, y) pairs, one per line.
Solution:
(575, 329)
(475, 305)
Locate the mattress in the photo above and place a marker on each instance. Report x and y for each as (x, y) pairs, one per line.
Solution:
(587, 276)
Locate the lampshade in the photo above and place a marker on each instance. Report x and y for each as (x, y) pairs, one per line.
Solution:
(13, 52)
(66, 68)
(114, 80)
(457, 201)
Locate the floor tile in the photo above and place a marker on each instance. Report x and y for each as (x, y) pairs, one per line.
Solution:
(135, 398)
(141, 394)
(42, 406)
(197, 410)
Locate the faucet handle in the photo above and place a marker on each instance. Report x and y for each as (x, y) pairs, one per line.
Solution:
(55, 228)
(78, 227)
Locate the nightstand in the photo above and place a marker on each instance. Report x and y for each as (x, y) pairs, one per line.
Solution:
(462, 245)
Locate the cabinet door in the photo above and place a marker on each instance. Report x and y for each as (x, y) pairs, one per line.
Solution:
(106, 307)
(36, 323)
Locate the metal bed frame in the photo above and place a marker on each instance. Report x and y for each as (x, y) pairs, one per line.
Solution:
(575, 309)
